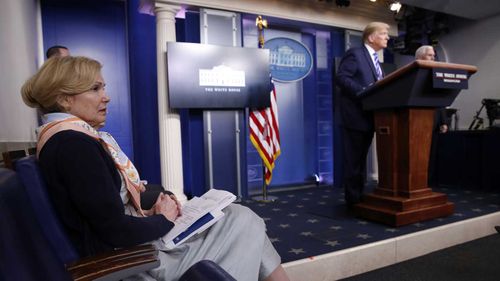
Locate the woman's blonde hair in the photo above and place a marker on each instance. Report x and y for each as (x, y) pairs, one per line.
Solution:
(59, 76)
(372, 27)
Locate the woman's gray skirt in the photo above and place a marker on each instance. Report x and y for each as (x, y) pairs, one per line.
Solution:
(237, 242)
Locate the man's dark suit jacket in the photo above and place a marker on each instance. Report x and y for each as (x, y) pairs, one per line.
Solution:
(356, 71)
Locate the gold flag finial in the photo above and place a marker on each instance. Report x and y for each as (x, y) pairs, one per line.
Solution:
(261, 24)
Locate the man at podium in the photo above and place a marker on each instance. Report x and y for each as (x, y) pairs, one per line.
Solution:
(358, 69)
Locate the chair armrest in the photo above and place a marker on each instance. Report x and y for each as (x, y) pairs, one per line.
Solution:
(115, 265)
(10, 157)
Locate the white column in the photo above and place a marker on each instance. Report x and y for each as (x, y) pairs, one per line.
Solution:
(18, 33)
(169, 119)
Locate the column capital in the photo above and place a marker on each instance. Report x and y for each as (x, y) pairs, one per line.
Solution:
(156, 7)
(163, 7)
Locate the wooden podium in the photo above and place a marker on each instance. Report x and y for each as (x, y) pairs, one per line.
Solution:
(404, 103)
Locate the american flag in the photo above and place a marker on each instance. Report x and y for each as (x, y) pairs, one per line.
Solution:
(265, 135)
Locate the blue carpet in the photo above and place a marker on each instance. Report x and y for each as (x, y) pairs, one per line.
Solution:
(310, 222)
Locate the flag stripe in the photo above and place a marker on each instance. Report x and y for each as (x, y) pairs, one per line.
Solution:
(264, 134)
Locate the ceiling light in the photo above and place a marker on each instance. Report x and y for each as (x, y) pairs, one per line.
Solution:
(395, 7)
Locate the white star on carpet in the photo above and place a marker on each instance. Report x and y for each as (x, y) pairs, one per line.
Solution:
(293, 214)
(363, 236)
(477, 210)
(332, 243)
(336, 227)
(276, 209)
(297, 251)
(273, 240)
(312, 220)
(284, 225)
(391, 230)
(306, 233)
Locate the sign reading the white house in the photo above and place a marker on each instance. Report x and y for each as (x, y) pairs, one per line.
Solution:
(445, 78)
(289, 60)
(210, 76)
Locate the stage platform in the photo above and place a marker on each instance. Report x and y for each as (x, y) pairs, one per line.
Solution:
(318, 239)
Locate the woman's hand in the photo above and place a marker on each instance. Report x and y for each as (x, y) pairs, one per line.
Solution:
(167, 207)
(177, 202)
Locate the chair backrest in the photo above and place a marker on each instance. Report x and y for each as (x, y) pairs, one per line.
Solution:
(32, 179)
(25, 253)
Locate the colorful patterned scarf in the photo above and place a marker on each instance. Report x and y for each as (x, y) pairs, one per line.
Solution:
(127, 170)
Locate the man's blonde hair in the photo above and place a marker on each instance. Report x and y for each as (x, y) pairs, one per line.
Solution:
(57, 77)
(372, 27)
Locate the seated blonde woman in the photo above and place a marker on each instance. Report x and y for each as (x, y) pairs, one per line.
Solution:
(96, 190)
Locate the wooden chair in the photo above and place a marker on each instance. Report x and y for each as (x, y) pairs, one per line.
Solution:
(10, 158)
(32, 151)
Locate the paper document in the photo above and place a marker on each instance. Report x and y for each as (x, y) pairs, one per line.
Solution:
(198, 214)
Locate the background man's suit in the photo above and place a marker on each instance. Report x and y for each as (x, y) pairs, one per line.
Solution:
(356, 71)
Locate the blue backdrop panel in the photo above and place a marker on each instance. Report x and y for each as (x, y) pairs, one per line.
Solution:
(96, 29)
(338, 50)
(220, 31)
(310, 92)
(143, 89)
(297, 120)
(188, 30)
(193, 152)
(224, 150)
(305, 112)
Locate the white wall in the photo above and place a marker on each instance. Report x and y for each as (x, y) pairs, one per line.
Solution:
(354, 17)
(18, 60)
(476, 43)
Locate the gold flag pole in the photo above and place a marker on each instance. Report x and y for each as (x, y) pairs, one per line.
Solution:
(261, 24)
